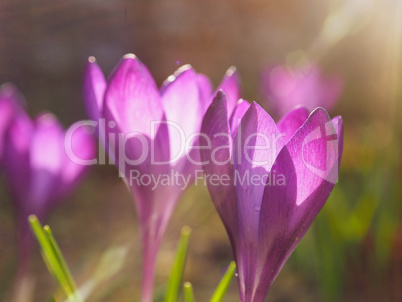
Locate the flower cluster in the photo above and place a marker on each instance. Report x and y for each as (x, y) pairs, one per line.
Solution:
(267, 180)
(33, 159)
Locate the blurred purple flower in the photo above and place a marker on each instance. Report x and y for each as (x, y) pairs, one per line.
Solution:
(268, 182)
(38, 170)
(10, 106)
(138, 115)
(283, 88)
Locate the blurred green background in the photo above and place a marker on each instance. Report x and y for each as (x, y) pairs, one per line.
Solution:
(353, 251)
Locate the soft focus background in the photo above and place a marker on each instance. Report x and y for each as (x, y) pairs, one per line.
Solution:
(353, 251)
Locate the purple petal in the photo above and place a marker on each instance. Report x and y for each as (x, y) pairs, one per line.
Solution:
(231, 86)
(94, 89)
(16, 157)
(83, 147)
(132, 105)
(292, 121)
(240, 110)
(7, 112)
(206, 89)
(216, 143)
(46, 159)
(296, 192)
(10, 102)
(132, 99)
(181, 90)
(256, 146)
(10, 93)
(338, 124)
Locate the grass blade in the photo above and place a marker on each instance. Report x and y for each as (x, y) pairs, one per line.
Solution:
(224, 283)
(188, 292)
(62, 263)
(173, 287)
(51, 255)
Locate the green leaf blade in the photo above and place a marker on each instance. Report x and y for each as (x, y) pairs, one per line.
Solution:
(62, 263)
(188, 292)
(224, 283)
(53, 259)
(173, 287)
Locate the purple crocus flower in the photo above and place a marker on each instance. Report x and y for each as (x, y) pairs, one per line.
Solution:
(10, 102)
(38, 170)
(268, 181)
(149, 135)
(284, 87)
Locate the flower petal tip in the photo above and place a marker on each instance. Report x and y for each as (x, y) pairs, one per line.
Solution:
(320, 110)
(337, 120)
(219, 99)
(130, 56)
(182, 69)
(256, 106)
(91, 59)
(46, 117)
(231, 71)
(301, 107)
(8, 89)
(220, 95)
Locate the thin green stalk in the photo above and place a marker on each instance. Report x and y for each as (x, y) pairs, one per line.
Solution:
(54, 260)
(173, 287)
(224, 283)
(62, 262)
(188, 292)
